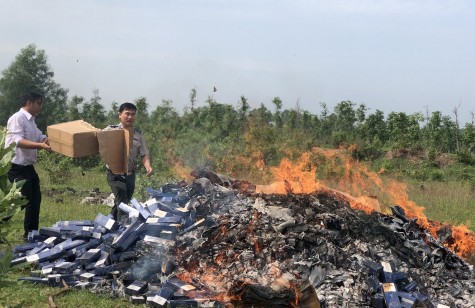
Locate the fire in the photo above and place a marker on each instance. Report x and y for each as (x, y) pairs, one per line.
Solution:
(220, 258)
(253, 239)
(182, 171)
(362, 188)
(214, 282)
(290, 178)
(222, 230)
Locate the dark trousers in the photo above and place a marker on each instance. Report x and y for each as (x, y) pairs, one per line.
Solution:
(31, 190)
(122, 187)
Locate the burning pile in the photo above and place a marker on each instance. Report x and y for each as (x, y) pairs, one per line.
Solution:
(219, 243)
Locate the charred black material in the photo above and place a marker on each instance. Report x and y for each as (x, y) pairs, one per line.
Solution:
(212, 238)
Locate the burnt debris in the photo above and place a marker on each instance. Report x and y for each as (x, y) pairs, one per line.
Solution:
(216, 243)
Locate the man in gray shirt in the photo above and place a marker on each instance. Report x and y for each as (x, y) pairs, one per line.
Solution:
(123, 185)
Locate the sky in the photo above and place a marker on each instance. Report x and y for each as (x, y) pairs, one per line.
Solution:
(395, 56)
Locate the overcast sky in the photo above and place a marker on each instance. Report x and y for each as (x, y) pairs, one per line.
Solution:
(409, 56)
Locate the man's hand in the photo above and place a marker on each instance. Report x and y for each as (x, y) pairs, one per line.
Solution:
(149, 170)
(147, 165)
(45, 145)
(27, 144)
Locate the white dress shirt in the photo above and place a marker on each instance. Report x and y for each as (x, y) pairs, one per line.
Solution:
(21, 125)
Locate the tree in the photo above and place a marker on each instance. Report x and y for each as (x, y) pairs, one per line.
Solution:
(306, 120)
(165, 120)
(468, 137)
(361, 113)
(327, 123)
(404, 131)
(456, 113)
(73, 108)
(31, 72)
(449, 135)
(346, 116)
(433, 131)
(277, 102)
(292, 117)
(277, 116)
(262, 115)
(193, 99)
(93, 111)
(374, 128)
(243, 107)
(142, 111)
(344, 124)
(113, 113)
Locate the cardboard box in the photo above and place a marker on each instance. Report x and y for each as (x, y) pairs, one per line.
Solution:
(114, 147)
(79, 139)
(73, 139)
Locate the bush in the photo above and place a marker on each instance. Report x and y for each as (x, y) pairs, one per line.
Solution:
(89, 162)
(465, 175)
(431, 157)
(11, 201)
(437, 175)
(471, 185)
(394, 164)
(58, 167)
(419, 174)
(465, 158)
(366, 152)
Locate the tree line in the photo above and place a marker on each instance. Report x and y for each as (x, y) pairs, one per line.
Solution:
(223, 136)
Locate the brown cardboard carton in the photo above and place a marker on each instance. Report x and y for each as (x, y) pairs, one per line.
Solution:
(114, 147)
(73, 139)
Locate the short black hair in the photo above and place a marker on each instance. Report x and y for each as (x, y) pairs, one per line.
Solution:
(128, 106)
(30, 96)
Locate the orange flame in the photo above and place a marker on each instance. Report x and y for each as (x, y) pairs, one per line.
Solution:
(362, 188)
(250, 232)
(182, 171)
(214, 282)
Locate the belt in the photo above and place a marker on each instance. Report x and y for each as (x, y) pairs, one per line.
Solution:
(21, 166)
(128, 173)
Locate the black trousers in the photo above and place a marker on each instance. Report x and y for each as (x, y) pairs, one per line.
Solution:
(31, 190)
(123, 187)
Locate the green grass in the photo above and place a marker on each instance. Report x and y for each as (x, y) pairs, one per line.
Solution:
(449, 202)
(25, 294)
(447, 192)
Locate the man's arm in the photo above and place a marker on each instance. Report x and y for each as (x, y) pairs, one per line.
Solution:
(27, 144)
(15, 132)
(147, 165)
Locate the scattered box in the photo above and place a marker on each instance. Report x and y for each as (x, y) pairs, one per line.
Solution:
(135, 288)
(390, 295)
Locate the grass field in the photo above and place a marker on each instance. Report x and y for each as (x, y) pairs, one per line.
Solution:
(447, 202)
(24, 294)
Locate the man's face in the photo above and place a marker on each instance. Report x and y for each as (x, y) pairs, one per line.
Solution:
(34, 107)
(127, 118)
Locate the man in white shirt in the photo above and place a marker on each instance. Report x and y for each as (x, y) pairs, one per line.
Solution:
(22, 130)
